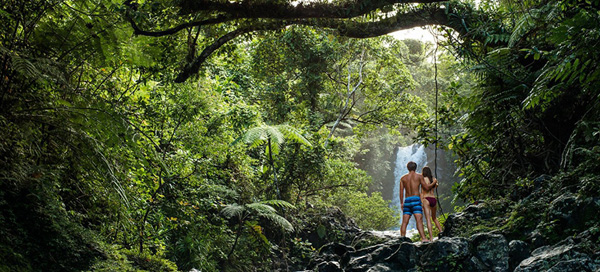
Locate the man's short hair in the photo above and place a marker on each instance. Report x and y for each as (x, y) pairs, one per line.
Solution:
(412, 166)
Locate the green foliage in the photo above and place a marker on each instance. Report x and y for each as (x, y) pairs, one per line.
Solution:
(534, 90)
(106, 165)
(370, 212)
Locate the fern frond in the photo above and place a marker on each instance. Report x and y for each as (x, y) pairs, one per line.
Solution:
(523, 26)
(294, 134)
(279, 203)
(261, 208)
(279, 221)
(24, 66)
(233, 210)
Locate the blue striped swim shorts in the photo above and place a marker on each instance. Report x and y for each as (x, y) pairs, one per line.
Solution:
(412, 205)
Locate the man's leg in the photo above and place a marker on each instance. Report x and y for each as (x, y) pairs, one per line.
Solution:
(419, 219)
(405, 219)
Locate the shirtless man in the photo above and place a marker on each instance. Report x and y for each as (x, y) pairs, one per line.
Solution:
(412, 204)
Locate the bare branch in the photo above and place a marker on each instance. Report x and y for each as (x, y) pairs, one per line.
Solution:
(351, 92)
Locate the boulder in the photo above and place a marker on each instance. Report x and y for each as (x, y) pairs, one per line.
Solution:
(368, 257)
(369, 238)
(490, 252)
(335, 249)
(406, 257)
(564, 209)
(456, 221)
(576, 265)
(330, 266)
(517, 252)
(445, 254)
(537, 239)
(559, 256)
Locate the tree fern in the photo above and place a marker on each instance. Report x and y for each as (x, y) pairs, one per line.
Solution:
(233, 210)
(276, 134)
(279, 203)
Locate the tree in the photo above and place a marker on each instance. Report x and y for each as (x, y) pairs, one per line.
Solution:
(229, 20)
(273, 137)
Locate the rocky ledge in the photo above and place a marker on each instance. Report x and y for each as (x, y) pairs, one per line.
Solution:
(488, 251)
(481, 252)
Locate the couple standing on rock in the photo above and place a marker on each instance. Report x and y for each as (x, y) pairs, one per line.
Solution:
(412, 182)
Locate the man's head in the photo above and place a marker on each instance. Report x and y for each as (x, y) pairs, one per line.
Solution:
(411, 166)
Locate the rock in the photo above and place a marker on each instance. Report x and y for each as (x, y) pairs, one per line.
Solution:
(563, 209)
(335, 249)
(455, 222)
(381, 268)
(491, 250)
(330, 266)
(324, 227)
(405, 257)
(517, 252)
(537, 239)
(369, 238)
(368, 257)
(541, 181)
(575, 265)
(547, 257)
(445, 254)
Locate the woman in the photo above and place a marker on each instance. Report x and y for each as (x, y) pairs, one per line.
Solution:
(429, 201)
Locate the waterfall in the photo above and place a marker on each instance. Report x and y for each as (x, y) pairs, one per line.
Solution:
(405, 154)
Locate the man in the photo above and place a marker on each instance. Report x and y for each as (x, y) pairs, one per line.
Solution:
(411, 182)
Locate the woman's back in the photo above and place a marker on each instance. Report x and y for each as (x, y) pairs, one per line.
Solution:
(425, 192)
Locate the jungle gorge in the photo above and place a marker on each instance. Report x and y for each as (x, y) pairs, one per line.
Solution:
(262, 135)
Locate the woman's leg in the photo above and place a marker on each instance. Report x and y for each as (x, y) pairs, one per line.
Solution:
(427, 211)
(433, 214)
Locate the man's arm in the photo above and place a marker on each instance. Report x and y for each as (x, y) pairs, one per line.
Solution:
(401, 194)
(425, 185)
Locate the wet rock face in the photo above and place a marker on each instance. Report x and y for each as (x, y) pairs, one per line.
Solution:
(570, 212)
(563, 210)
(566, 257)
(490, 252)
(517, 252)
(455, 221)
(331, 266)
(445, 254)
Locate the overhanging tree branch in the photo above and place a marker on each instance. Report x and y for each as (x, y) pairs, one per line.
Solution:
(289, 10)
(340, 17)
(193, 67)
(170, 31)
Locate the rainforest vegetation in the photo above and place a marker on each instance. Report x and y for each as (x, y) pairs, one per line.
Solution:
(171, 135)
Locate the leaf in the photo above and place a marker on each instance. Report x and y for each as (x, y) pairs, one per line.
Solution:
(321, 231)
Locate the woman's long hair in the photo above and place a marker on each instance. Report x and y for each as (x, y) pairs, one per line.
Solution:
(427, 173)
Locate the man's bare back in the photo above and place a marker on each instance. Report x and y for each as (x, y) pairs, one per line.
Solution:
(411, 182)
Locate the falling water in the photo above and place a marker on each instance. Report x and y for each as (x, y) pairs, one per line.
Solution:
(405, 154)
